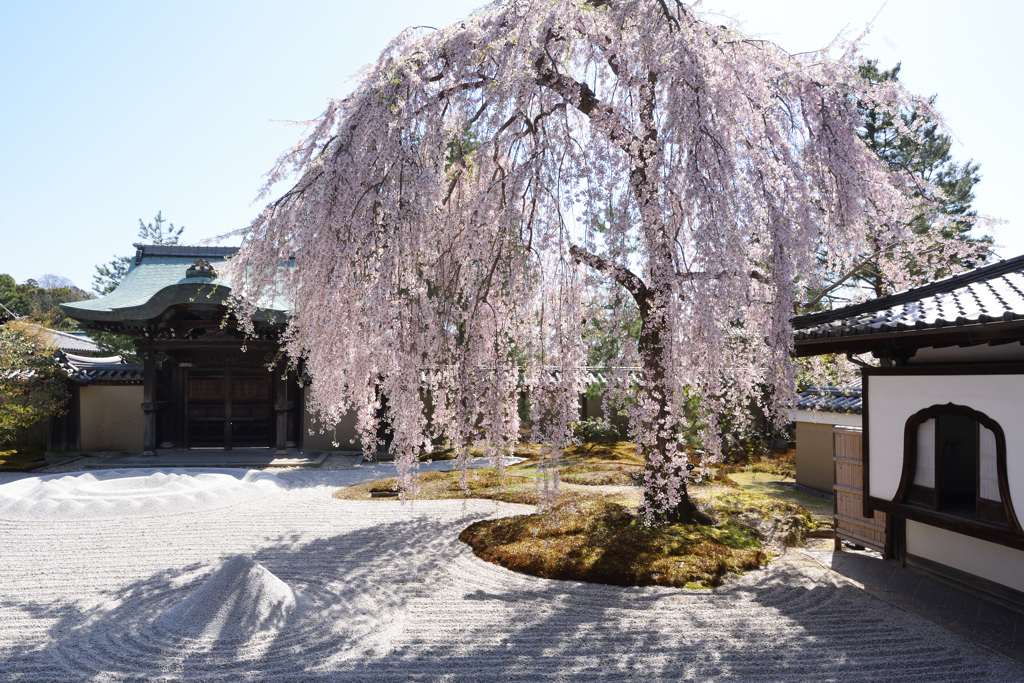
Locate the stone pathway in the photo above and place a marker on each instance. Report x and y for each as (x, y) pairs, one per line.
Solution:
(972, 615)
(239, 457)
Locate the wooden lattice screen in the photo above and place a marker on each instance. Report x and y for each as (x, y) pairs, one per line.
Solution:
(850, 523)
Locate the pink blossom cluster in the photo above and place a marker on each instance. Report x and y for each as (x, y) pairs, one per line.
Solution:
(453, 217)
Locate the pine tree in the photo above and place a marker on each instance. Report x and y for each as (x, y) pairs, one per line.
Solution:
(109, 275)
(925, 153)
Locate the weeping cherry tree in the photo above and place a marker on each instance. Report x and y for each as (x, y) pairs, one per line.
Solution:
(442, 225)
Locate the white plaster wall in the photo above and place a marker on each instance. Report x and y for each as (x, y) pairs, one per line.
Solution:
(822, 417)
(996, 563)
(892, 399)
(969, 354)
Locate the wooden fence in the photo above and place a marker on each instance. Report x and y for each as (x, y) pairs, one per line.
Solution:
(850, 523)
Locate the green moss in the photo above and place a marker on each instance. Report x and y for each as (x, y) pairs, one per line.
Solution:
(602, 542)
(21, 460)
(623, 452)
(482, 483)
(780, 465)
(601, 474)
(769, 485)
(448, 454)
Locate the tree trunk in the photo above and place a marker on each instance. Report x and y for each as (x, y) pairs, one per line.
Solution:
(658, 468)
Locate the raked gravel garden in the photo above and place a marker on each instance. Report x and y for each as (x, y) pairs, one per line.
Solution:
(267, 575)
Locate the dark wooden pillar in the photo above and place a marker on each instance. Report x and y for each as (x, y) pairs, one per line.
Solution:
(228, 408)
(149, 401)
(281, 407)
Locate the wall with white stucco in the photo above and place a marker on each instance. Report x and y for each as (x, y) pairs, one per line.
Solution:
(991, 561)
(892, 399)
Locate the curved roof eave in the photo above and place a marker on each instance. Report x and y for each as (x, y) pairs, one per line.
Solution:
(157, 281)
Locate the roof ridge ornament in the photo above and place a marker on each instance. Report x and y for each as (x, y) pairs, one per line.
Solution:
(201, 268)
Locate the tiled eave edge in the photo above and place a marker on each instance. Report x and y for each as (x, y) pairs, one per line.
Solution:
(891, 302)
(852, 329)
(909, 337)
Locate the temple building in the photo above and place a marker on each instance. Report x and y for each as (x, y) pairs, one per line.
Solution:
(202, 383)
(934, 475)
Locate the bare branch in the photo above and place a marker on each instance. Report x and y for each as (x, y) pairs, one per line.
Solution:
(622, 275)
(853, 271)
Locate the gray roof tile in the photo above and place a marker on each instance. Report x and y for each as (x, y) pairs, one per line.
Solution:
(993, 293)
(68, 341)
(109, 370)
(831, 399)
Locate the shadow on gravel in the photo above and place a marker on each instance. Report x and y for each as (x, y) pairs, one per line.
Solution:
(390, 603)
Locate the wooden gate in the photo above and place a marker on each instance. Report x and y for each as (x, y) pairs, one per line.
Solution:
(850, 523)
(228, 408)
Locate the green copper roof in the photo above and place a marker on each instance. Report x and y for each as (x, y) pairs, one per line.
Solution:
(156, 280)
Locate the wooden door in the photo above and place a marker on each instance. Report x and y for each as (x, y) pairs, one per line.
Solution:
(228, 408)
(850, 522)
(251, 405)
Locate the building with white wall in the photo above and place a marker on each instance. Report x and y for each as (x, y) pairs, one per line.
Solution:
(943, 420)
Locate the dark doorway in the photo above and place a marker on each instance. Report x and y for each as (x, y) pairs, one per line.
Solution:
(228, 408)
(956, 442)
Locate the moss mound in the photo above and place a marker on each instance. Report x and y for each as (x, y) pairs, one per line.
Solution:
(481, 483)
(601, 542)
(603, 474)
(623, 452)
(21, 460)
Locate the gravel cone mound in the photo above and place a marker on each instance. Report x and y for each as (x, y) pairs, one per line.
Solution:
(241, 623)
(240, 600)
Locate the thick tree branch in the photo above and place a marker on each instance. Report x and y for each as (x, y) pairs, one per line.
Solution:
(622, 275)
(584, 99)
(853, 271)
(632, 281)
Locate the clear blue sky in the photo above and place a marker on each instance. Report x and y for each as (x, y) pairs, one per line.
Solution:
(111, 111)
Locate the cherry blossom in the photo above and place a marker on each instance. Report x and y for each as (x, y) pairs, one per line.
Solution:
(443, 229)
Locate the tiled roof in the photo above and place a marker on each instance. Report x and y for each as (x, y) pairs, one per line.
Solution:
(109, 370)
(181, 251)
(144, 280)
(990, 294)
(76, 342)
(157, 279)
(830, 399)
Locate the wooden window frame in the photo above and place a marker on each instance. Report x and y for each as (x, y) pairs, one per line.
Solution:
(910, 502)
(986, 511)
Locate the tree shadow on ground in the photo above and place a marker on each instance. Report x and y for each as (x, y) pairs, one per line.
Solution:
(406, 601)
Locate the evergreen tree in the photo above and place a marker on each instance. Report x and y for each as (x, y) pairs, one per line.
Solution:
(109, 275)
(926, 153)
(39, 301)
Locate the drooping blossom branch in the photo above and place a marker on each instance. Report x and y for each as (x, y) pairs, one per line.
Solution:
(453, 217)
